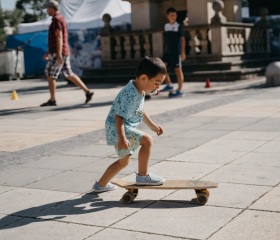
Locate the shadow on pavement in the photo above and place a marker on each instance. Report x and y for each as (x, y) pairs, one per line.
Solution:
(87, 203)
(30, 110)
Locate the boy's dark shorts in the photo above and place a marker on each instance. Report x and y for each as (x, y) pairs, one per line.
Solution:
(172, 60)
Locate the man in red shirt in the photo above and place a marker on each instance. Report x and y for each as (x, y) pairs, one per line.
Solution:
(58, 55)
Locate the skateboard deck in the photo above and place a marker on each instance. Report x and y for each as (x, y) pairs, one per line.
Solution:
(200, 188)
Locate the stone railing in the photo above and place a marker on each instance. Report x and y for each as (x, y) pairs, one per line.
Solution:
(217, 40)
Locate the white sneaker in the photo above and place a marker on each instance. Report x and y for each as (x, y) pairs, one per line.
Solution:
(97, 188)
(150, 179)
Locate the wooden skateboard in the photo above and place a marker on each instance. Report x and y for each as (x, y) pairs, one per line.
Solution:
(200, 188)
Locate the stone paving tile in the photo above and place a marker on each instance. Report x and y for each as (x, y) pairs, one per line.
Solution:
(207, 156)
(93, 209)
(272, 147)
(4, 189)
(185, 143)
(25, 202)
(69, 181)
(101, 164)
(178, 220)
(45, 230)
(255, 175)
(269, 202)
(92, 150)
(222, 126)
(232, 145)
(251, 225)
(183, 170)
(60, 162)
(199, 133)
(226, 195)
(23, 176)
(269, 159)
(157, 152)
(251, 135)
(125, 235)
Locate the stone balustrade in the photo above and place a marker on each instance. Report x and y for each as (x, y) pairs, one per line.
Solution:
(219, 40)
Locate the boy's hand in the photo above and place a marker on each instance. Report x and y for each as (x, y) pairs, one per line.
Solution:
(123, 144)
(158, 129)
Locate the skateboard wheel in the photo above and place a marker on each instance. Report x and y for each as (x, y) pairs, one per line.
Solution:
(202, 191)
(202, 198)
(135, 193)
(128, 197)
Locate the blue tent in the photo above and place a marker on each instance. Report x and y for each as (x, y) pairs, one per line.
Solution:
(34, 46)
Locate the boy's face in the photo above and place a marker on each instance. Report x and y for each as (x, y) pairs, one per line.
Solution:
(172, 16)
(154, 83)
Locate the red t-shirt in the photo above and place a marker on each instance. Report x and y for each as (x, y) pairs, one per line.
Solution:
(58, 23)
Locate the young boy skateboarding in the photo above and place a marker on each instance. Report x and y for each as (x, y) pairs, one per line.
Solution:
(174, 52)
(126, 113)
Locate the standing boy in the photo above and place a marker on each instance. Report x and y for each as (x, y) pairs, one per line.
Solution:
(58, 55)
(174, 52)
(126, 113)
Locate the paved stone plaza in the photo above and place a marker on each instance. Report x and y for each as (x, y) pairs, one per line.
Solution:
(50, 157)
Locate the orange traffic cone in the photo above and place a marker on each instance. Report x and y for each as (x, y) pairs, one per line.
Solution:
(207, 83)
(14, 95)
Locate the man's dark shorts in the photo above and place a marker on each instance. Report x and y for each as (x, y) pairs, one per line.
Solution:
(172, 60)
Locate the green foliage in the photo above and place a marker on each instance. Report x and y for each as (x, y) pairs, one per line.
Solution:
(33, 10)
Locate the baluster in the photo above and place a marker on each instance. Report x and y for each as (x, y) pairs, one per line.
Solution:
(118, 48)
(204, 41)
(147, 44)
(137, 47)
(192, 41)
(127, 47)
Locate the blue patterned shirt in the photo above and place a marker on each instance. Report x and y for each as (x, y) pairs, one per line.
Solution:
(129, 104)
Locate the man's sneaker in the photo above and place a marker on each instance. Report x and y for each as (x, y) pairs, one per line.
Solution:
(97, 188)
(150, 179)
(178, 93)
(167, 88)
(48, 103)
(89, 96)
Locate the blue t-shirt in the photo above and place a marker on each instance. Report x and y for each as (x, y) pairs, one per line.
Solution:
(172, 36)
(129, 104)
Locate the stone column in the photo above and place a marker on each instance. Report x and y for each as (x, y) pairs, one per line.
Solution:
(200, 11)
(144, 14)
(232, 10)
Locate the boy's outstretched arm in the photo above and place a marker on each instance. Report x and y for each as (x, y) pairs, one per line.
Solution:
(154, 127)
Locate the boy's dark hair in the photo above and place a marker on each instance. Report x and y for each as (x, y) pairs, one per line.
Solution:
(171, 9)
(150, 66)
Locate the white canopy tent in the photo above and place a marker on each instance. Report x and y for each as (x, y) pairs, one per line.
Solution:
(84, 14)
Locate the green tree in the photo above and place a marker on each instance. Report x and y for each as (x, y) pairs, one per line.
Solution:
(33, 10)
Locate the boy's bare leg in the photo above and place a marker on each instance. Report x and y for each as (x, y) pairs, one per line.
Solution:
(78, 82)
(144, 154)
(180, 77)
(52, 87)
(113, 169)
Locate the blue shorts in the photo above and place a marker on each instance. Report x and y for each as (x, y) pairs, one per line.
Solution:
(172, 60)
(134, 137)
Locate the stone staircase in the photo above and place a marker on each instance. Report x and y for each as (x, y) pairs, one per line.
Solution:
(121, 71)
